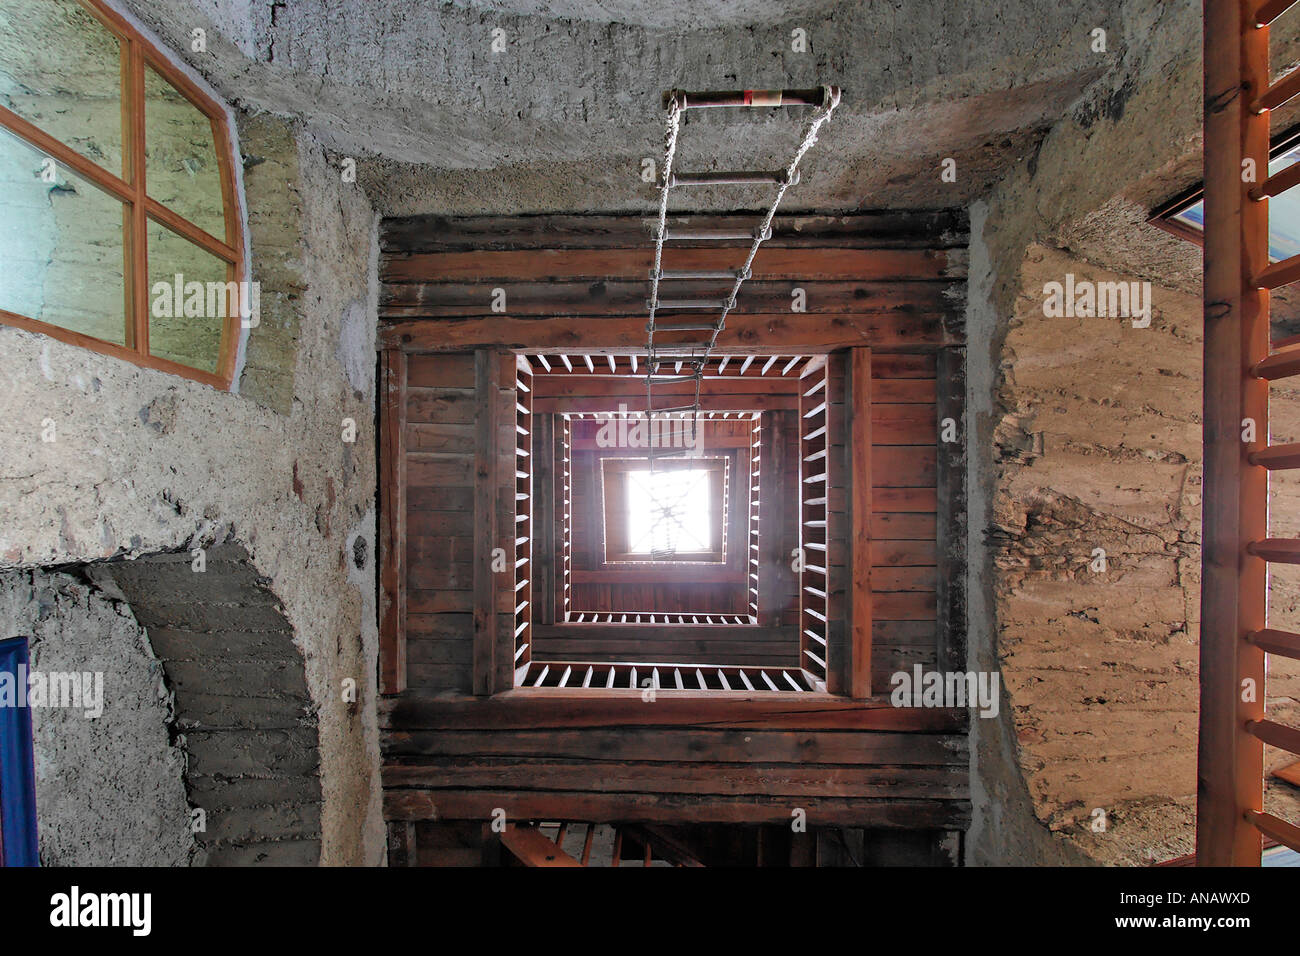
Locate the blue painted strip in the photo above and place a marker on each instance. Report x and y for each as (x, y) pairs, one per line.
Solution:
(17, 770)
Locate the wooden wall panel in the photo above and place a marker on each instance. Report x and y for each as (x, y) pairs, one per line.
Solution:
(890, 282)
(440, 524)
(904, 527)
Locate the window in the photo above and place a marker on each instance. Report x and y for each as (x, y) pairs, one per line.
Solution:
(17, 773)
(668, 511)
(673, 511)
(119, 227)
(1184, 216)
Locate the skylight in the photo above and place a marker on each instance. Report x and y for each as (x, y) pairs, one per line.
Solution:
(668, 511)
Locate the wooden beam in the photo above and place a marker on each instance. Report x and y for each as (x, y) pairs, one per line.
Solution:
(487, 384)
(756, 334)
(673, 808)
(859, 517)
(771, 263)
(1233, 582)
(907, 229)
(392, 525)
(530, 710)
(950, 484)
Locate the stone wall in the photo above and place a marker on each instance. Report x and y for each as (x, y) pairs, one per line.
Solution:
(1086, 434)
(145, 462)
(108, 784)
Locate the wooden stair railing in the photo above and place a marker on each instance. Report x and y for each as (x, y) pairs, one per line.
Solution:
(1238, 365)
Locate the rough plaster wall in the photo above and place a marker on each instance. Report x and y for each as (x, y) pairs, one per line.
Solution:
(561, 118)
(145, 462)
(108, 789)
(1141, 127)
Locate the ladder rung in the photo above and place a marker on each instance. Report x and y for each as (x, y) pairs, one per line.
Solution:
(664, 379)
(1278, 183)
(674, 408)
(1278, 365)
(1272, 641)
(654, 453)
(1275, 828)
(712, 99)
(713, 235)
(1270, 10)
(674, 274)
(1276, 457)
(686, 327)
(1278, 93)
(668, 304)
(1277, 550)
(738, 178)
(1280, 273)
(1276, 735)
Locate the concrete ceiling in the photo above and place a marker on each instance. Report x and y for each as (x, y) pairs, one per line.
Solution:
(563, 116)
(662, 15)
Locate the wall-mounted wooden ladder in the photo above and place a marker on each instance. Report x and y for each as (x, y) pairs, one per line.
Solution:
(1239, 363)
(678, 345)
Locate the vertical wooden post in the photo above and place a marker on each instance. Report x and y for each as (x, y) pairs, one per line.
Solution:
(392, 521)
(1234, 505)
(487, 388)
(860, 612)
(950, 487)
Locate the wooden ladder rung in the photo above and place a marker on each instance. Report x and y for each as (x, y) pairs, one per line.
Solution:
(1280, 273)
(1278, 550)
(1288, 834)
(1277, 94)
(1282, 364)
(735, 178)
(1276, 735)
(1277, 457)
(1270, 10)
(1278, 183)
(1272, 641)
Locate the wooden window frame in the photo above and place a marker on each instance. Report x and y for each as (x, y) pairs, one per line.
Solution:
(140, 209)
(614, 474)
(1162, 216)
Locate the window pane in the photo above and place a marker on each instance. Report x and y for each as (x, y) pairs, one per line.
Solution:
(668, 511)
(181, 169)
(61, 70)
(61, 255)
(188, 300)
